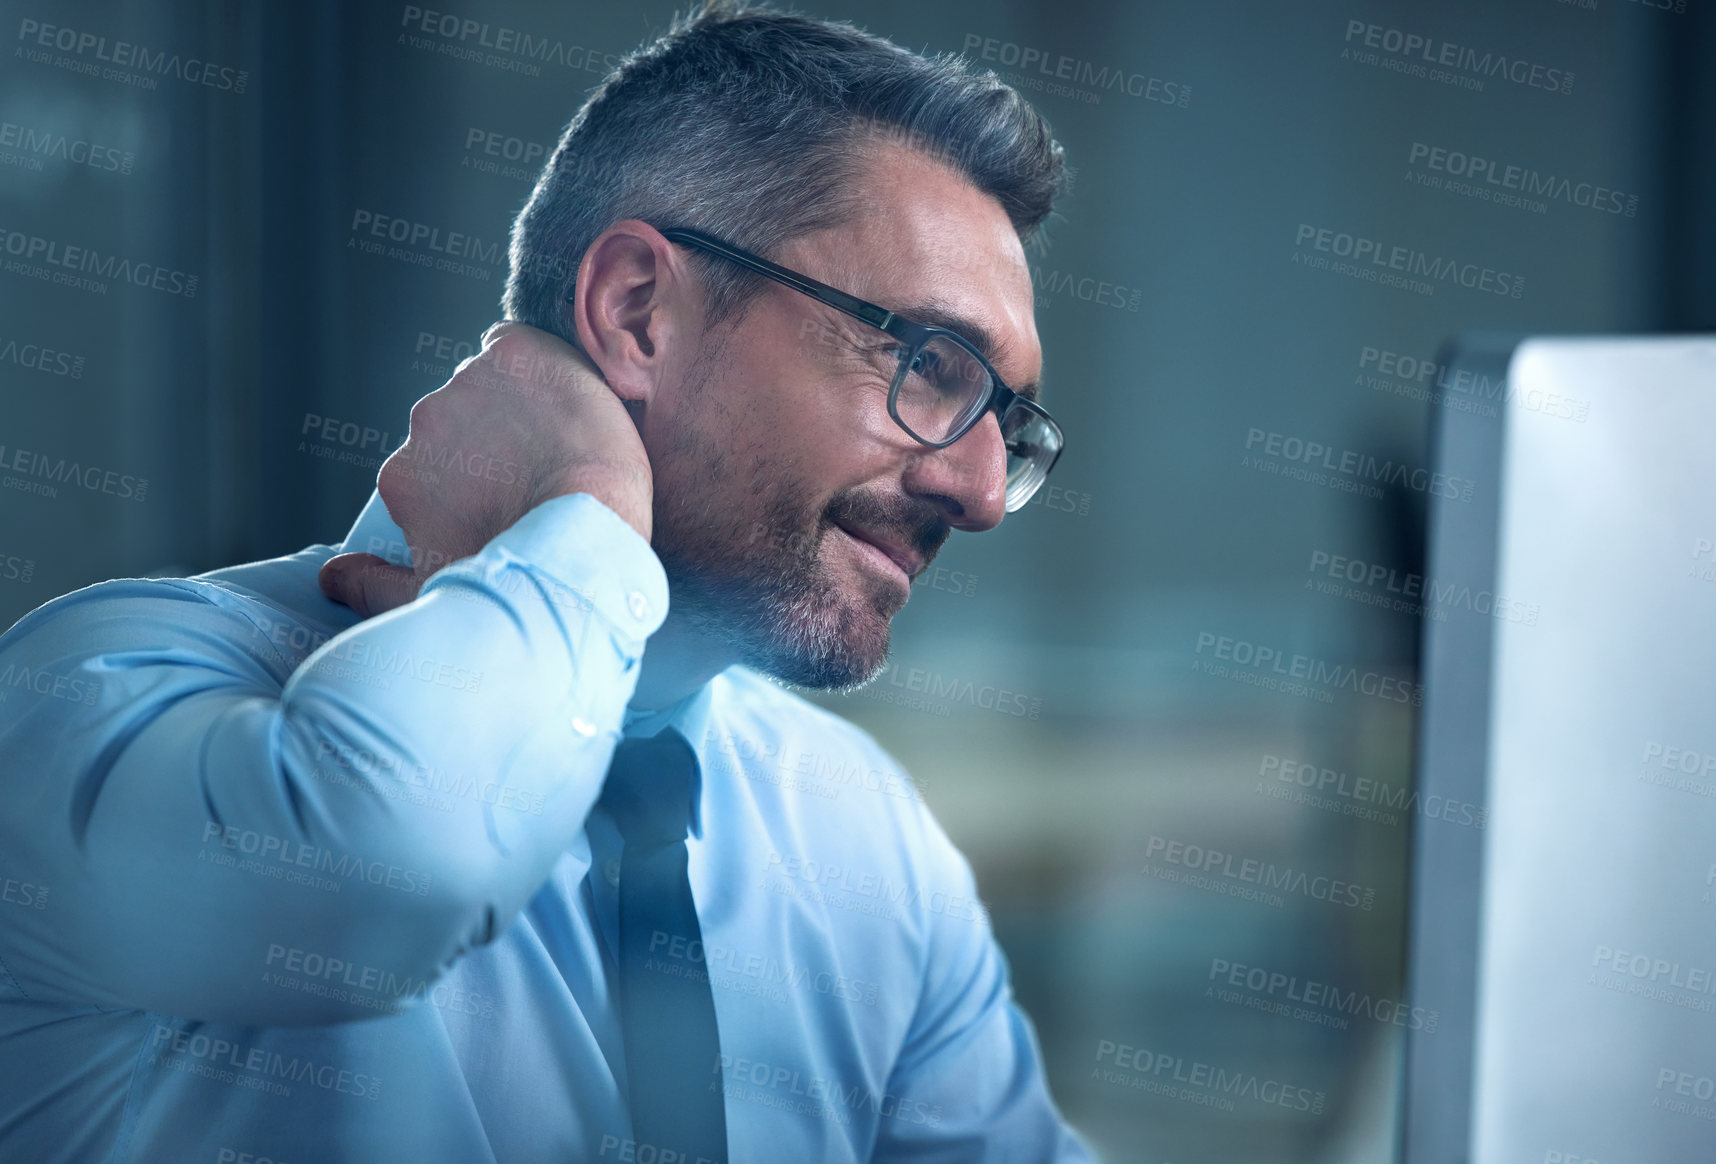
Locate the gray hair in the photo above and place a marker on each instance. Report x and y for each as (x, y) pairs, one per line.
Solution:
(752, 125)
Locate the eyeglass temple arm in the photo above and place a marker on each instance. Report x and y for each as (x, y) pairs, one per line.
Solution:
(852, 305)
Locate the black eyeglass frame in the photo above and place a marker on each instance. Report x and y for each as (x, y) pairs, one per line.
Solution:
(1001, 399)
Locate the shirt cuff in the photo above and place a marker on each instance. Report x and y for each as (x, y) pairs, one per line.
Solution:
(591, 551)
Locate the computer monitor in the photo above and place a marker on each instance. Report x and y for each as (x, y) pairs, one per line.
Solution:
(1565, 930)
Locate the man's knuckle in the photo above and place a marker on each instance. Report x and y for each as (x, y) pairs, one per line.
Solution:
(509, 346)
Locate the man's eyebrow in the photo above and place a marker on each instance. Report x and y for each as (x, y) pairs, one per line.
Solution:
(937, 314)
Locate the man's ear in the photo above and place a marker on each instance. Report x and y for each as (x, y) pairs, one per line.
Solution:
(629, 306)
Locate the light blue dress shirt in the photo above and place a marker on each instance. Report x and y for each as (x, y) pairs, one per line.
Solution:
(280, 885)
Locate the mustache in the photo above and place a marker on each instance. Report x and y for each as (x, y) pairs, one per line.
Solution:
(919, 526)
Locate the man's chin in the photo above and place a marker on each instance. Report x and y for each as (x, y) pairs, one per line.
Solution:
(838, 657)
(839, 676)
(816, 636)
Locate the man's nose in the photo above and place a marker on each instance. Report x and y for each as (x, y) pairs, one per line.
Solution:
(966, 481)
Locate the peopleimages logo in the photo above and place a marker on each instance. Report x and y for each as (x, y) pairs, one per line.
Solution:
(272, 852)
(1274, 669)
(1460, 389)
(1085, 288)
(1270, 991)
(1373, 259)
(45, 143)
(1206, 1084)
(120, 55)
(1248, 877)
(1427, 56)
(1658, 979)
(1687, 769)
(512, 50)
(1419, 591)
(39, 469)
(491, 152)
(26, 250)
(950, 690)
(774, 1085)
(267, 1070)
(69, 687)
(1060, 67)
(1350, 464)
(822, 773)
(1336, 791)
(1497, 179)
(445, 249)
(1685, 1083)
(16, 569)
(40, 358)
(836, 878)
(23, 894)
(752, 972)
(311, 972)
(420, 234)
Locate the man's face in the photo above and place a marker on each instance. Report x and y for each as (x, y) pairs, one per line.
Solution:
(791, 511)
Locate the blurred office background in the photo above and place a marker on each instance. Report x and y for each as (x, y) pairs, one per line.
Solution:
(1095, 696)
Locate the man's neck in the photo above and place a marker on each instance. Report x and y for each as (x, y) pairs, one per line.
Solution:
(677, 661)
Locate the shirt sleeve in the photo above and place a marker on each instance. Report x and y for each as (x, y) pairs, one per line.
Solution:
(970, 1071)
(204, 830)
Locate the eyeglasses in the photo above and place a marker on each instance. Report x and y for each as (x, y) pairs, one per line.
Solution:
(942, 384)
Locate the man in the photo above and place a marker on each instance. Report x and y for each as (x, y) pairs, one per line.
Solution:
(412, 851)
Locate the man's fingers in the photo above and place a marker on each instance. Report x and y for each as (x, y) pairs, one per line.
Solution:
(366, 583)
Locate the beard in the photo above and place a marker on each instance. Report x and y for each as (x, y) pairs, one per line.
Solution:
(753, 576)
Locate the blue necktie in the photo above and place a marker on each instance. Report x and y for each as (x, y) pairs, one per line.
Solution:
(667, 1010)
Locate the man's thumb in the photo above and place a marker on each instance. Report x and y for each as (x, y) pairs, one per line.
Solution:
(366, 583)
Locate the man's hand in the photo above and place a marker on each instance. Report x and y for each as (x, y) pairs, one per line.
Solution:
(526, 419)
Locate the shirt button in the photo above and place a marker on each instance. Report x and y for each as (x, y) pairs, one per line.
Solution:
(611, 870)
(582, 726)
(639, 605)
